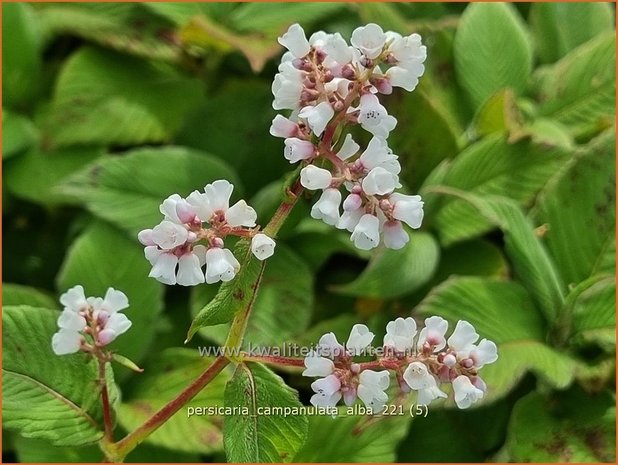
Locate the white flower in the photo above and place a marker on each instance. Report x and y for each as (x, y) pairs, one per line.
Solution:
(407, 208)
(287, 87)
(215, 198)
(426, 396)
(466, 393)
(484, 353)
(327, 207)
(221, 265)
(297, 149)
(352, 202)
(400, 334)
(366, 234)
(378, 154)
(190, 267)
(283, 127)
(417, 376)
(66, 341)
(410, 55)
(116, 324)
(312, 177)
(318, 366)
(348, 148)
(360, 337)
(406, 78)
(373, 116)
(350, 218)
(433, 333)
(408, 49)
(369, 40)
(163, 265)
(295, 41)
(74, 299)
(241, 214)
(169, 235)
(262, 246)
(380, 181)
(329, 346)
(371, 387)
(327, 391)
(395, 237)
(463, 338)
(177, 210)
(338, 49)
(317, 116)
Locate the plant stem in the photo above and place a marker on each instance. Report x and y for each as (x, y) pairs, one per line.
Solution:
(279, 217)
(107, 412)
(130, 442)
(275, 360)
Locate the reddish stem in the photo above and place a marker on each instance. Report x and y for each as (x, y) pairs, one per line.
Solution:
(107, 411)
(275, 360)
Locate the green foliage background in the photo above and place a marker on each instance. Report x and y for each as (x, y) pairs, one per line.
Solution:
(510, 138)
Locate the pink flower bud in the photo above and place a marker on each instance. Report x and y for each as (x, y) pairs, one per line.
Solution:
(106, 336)
(383, 85)
(145, 237)
(468, 363)
(450, 360)
(347, 72)
(352, 202)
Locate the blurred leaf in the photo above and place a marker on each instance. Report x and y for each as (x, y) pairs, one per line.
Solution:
(233, 296)
(126, 27)
(39, 399)
(49, 168)
(239, 134)
(558, 28)
(498, 114)
(16, 294)
(544, 430)
(21, 55)
(352, 439)
(414, 266)
(268, 199)
(18, 133)
(110, 189)
(582, 236)
(492, 51)
(492, 166)
(592, 307)
(258, 437)
(181, 13)
(106, 97)
(471, 258)
(531, 262)
(549, 132)
(383, 13)
(579, 90)
(282, 307)
(103, 257)
(173, 370)
(39, 451)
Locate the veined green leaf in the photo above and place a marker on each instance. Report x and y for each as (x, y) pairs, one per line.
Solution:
(18, 134)
(16, 294)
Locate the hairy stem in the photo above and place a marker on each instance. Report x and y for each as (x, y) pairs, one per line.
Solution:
(279, 217)
(107, 411)
(274, 360)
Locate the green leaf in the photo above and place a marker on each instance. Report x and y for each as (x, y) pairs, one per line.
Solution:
(471, 258)
(110, 189)
(414, 265)
(44, 395)
(257, 436)
(492, 51)
(16, 294)
(385, 14)
(492, 166)
(18, 134)
(498, 114)
(21, 54)
(531, 262)
(39, 451)
(558, 28)
(573, 429)
(233, 296)
(282, 307)
(579, 90)
(181, 13)
(162, 381)
(49, 169)
(109, 98)
(579, 207)
(352, 439)
(103, 257)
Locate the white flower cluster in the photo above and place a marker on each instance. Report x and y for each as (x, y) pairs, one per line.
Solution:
(420, 361)
(98, 318)
(329, 84)
(191, 236)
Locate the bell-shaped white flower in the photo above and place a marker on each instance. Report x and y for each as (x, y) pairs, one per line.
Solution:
(374, 118)
(366, 234)
(395, 237)
(295, 41)
(221, 265)
(380, 181)
(417, 376)
(297, 149)
(369, 39)
(66, 341)
(283, 127)
(318, 366)
(190, 267)
(116, 324)
(359, 339)
(466, 393)
(241, 214)
(74, 299)
(463, 338)
(71, 320)
(169, 235)
(218, 194)
(163, 264)
(327, 391)
(433, 333)
(177, 210)
(317, 116)
(406, 78)
(408, 49)
(378, 154)
(312, 177)
(408, 208)
(338, 49)
(484, 353)
(350, 218)
(329, 346)
(287, 88)
(371, 387)
(327, 206)
(262, 246)
(114, 301)
(400, 334)
(352, 202)
(428, 395)
(348, 149)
